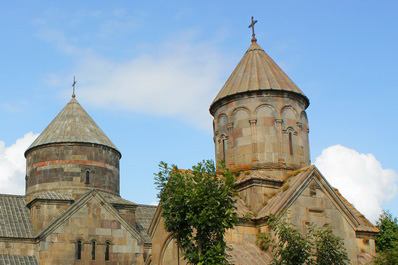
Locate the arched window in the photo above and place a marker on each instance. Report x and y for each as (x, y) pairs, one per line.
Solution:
(290, 143)
(107, 246)
(79, 249)
(93, 250)
(87, 177)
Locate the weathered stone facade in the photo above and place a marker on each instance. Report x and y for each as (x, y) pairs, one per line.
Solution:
(261, 132)
(72, 212)
(71, 169)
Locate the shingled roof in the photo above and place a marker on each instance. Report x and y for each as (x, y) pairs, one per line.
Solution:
(72, 125)
(247, 254)
(113, 199)
(14, 217)
(257, 71)
(49, 195)
(17, 260)
(143, 218)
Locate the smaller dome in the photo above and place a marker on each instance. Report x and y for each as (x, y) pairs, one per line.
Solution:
(256, 71)
(72, 125)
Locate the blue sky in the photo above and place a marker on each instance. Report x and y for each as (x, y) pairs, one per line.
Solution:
(147, 72)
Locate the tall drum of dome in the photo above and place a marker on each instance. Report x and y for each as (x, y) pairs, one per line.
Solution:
(259, 117)
(72, 156)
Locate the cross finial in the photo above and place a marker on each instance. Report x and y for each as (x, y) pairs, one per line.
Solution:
(252, 26)
(73, 86)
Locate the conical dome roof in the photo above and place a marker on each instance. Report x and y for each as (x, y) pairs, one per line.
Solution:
(72, 125)
(257, 71)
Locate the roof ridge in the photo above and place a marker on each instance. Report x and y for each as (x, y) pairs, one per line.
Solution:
(12, 195)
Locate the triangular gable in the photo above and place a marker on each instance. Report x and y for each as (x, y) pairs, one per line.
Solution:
(293, 188)
(62, 218)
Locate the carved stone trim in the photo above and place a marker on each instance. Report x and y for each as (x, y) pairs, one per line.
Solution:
(258, 182)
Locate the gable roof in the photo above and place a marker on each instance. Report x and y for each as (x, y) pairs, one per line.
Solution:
(15, 219)
(72, 125)
(17, 260)
(49, 196)
(293, 187)
(247, 254)
(114, 199)
(58, 221)
(143, 219)
(257, 71)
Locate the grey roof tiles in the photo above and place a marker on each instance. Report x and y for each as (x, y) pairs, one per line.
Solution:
(143, 218)
(14, 217)
(256, 71)
(72, 125)
(17, 260)
(48, 195)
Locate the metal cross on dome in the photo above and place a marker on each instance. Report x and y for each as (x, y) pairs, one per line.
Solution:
(73, 86)
(252, 26)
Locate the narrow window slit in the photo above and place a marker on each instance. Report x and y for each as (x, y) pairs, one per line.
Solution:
(93, 250)
(87, 177)
(79, 249)
(290, 143)
(107, 244)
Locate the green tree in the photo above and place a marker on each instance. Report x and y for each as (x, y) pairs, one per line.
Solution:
(387, 257)
(316, 247)
(198, 206)
(387, 240)
(329, 249)
(291, 248)
(388, 236)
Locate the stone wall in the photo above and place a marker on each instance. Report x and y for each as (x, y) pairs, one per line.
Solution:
(268, 129)
(16, 246)
(93, 222)
(63, 168)
(314, 206)
(43, 212)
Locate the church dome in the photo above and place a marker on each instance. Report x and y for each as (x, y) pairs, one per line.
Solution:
(72, 125)
(256, 71)
(71, 157)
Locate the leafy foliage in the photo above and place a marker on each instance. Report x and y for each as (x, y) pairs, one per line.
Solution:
(292, 248)
(316, 247)
(198, 207)
(263, 241)
(388, 236)
(329, 249)
(387, 257)
(387, 240)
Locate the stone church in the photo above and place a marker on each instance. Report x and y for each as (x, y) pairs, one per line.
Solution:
(261, 132)
(72, 212)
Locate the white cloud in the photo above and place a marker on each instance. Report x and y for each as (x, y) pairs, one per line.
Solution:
(12, 165)
(177, 78)
(359, 177)
(178, 81)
